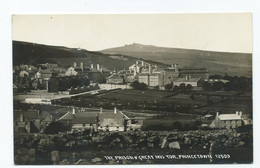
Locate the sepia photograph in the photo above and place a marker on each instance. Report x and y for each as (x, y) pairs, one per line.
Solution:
(116, 89)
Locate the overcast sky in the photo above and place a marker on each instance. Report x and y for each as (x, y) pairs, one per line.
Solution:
(216, 32)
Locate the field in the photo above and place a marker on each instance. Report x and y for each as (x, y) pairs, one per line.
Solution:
(166, 103)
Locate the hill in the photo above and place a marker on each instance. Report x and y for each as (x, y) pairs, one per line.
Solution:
(31, 53)
(239, 64)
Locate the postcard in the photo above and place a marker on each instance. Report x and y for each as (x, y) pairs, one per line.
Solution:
(132, 89)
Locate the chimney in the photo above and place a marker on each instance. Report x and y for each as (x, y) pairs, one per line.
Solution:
(135, 70)
(172, 66)
(186, 77)
(115, 110)
(240, 113)
(142, 63)
(236, 112)
(176, 67)
(73, 111)
(92, 66)
(97, 119)
(81, 66)
(75, 64)
(97, 66)
(100, 110)
(136, 63)
(21, 117)
(217, 114)
(150, 69)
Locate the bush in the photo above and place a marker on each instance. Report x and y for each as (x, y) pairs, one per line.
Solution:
(139, 86)
(168, 86)
(177, 125)
(56, 127)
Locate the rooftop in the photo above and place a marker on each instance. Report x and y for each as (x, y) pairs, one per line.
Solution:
(230, 117)
(189, 70)
(186, 80)
(80, 117)
(28, 115)
(115, 75)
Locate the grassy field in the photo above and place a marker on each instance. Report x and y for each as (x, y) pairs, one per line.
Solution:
(156, 101)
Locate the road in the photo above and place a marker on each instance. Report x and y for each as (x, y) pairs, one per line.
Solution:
(47, 95)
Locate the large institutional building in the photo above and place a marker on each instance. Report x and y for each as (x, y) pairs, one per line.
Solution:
(152, 75)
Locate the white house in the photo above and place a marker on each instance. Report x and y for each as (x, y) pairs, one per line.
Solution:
(227, 121)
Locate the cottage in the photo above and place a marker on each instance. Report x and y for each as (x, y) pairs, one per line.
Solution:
(31, 121)
(247, 119)
(227, 121)
(104, 120)
(80, 120)
(112, 121)
(84, 120)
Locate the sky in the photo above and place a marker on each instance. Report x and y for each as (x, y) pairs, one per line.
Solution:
(228, 32)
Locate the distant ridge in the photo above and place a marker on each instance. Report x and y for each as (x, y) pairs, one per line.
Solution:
(32, 53)
(239, 64)
(152, 48)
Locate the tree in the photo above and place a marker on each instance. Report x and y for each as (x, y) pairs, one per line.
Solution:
(182, 87)
(168, 86)
(139, 86)
(156, 87)
(192, 97)
(188, 87)
(177, 125)
(218, 86)
(56, 127)
(227, 86)
(175, 88)
(206, 86)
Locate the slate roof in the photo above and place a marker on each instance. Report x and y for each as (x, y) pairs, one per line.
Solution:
(188, 80)
(94, 70)
(85, 120)
(45, 71)
(80, 117)
(67, 116)
(105, 70)
(229, 117)
(115, 76)
(28, 115)
(147, 73)
(192, 70)
(208, 115)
